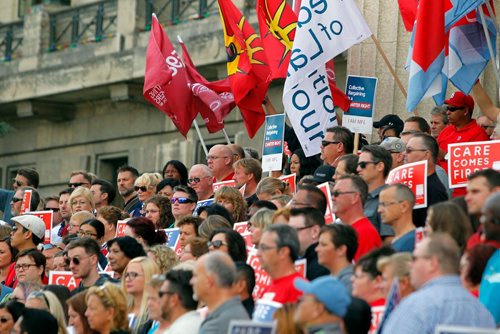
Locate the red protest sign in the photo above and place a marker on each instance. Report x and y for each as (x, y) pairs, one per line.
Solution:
(242, 229)
(230, 183)
(329, 215)
(291, 181)
(262, 279)
(414, 175)
(64, 278)
(120, 228)
(466, 158)
(47, 217)
(25, 204)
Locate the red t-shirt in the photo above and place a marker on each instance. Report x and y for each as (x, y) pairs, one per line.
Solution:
(378, 310)
(368, 237)
(282, 290)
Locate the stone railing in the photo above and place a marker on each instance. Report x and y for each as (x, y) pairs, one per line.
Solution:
(11, 39)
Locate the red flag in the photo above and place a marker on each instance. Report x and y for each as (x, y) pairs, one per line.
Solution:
(214, 99)
(339, 98)
(165, 80)
(277, 23)
(246, 65)
(408, 10)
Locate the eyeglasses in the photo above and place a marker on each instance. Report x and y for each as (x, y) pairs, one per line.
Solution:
(81, 203)
(409, 150)
(76, 184)
(17, 182)
(141, 188)
(337, 193)
(163, 293)
(83, 233)
(4, 320)
(131, 275)
(363, 164)
(16, 199)
(453, 109)
(212, 157)
(325, 143)
(180, 200)
(216, 244)
(24, 266)
(76, 260)
(387, 204)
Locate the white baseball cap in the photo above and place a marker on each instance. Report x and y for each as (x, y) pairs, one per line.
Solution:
(32, 223)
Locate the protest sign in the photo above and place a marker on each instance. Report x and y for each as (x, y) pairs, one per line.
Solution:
(361, 92)
(25, 204)
(173, 236)
(466, 158)
(414, 175)
(251, 327)
(290, 180)
(64, 278)
(264, 310)
(272, 148)
(242, 229)
(47, 217)
(201, 204)
(217, 185)
(329, 215)
(120, 228)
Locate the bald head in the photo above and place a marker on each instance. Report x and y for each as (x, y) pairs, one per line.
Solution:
(220, 161)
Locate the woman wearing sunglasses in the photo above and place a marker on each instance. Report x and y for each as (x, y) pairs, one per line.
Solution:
(229, 241)
(136, 275)
(145, 185)
(9, 313)
(183, 202)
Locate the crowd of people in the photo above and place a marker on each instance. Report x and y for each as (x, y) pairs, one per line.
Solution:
(373, 263)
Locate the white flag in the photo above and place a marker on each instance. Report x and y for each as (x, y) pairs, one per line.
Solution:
(325, 29)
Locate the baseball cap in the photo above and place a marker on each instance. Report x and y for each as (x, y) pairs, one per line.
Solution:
(329, 291)
(31, 223)
(323, 174)
(459, 99)
(393, 144)
(389, 120)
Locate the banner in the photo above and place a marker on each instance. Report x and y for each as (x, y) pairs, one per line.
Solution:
(120, 228)
(325, 29)
(414, 175)
(251, 327)
(272, 148)
(64, 278)
(48, 218)
(264, 310)
(229, 183)
(466, 158)
(329, 215)
(26, 203)
(201, 204)
(173, 235)
(291, 181)
(242, 229)
(361, 91)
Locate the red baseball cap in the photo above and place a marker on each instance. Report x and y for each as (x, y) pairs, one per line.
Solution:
(459, 99)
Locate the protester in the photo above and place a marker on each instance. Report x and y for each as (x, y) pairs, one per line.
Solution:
(194, 249)
(47, 301)
(166, 187)
(233, 201)
(164, 257)
(145, 232)
(472, 266)
(188, 228)
(244, 285)
(156, 324)
(32, 320)
(269, 187)
(158, 209)
(338, 141)
(302, 165)
(107, 309)
(30, 266)
(9, 313)
(183, 202)
(127, 175)
(121, 250)
(175, 169)
(230, 242)
(201, 180)
(396, 268)
(8, 255)
(109, 216)
(81, 199)
(76, 311)
(258, 223)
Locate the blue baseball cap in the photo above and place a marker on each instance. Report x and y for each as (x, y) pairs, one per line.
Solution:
(329, 291)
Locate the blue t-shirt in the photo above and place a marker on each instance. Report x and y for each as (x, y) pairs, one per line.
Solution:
(489, 290)
(405, 243)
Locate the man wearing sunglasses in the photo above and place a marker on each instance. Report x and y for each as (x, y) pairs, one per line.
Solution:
(80, 178)
(201, 180)
(17, 199)
(338, 141)
(25, 177)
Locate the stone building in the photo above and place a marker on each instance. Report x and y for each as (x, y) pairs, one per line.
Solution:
(72, 74)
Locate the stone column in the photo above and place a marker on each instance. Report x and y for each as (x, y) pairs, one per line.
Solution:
(128, 16)
(36, 30)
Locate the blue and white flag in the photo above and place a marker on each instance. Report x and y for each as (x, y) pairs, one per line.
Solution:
(325, 28)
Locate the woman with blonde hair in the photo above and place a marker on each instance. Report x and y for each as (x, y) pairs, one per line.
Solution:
(81, 199)
(138, 272)
(269, 187)
(281, 215)
(258, 223)
(211, 224)
(233, 201)
(164, 257)
(46, 300)
(145, 185)
(107, 309)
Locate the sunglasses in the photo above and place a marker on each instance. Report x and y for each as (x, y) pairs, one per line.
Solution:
(453, 109)
(142, 188)
(17, 182)
(163, 293)
(16, 199)
(325, 143)
(216, 244)
(194, 180)
(76, 184)
(76, 260)
(180, 200)
(363, 164)
(337, 193)
(4, 320)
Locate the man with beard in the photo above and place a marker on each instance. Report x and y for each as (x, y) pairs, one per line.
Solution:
(125, 182)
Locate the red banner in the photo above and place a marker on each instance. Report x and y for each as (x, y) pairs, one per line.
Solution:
(414, 175)
(120, 228)
(64, 278)
(290, 180)
(25, 204)
(242, 229)
(466, 158)
(217, 185)
(329, 215)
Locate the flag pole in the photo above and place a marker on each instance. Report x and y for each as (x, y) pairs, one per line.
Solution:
(226, 136)
(199, 136)
(391, 69)
(490, 47)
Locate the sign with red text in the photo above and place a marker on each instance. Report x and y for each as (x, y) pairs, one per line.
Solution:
(120, 228)
(242, 229)
(290, 180)
(47, 217)
(329, 215)
(414, 175)
(25, 204)
(361, 91)
(64, 278)
(230, 183)
(467, 158)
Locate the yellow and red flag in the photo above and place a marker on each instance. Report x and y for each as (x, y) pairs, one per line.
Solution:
(246, 65)
(277, 23)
